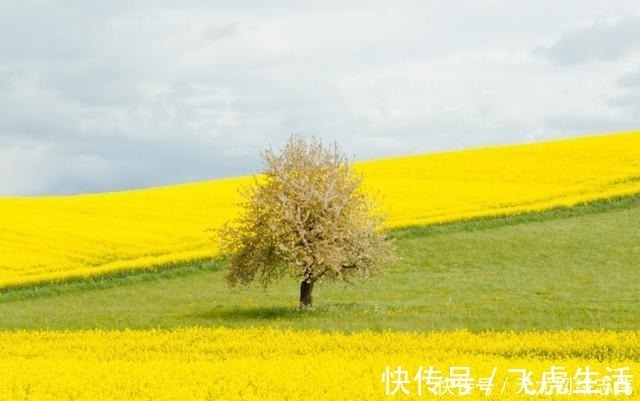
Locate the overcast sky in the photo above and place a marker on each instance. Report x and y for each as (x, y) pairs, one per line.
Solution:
(110, 95)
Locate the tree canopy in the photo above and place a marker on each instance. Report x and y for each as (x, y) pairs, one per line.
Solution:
(306, 216)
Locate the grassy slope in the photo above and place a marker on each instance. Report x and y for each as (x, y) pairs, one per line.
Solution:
(573, 268)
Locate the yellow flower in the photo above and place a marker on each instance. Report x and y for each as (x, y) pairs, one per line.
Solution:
(265, 364)
(52, 238)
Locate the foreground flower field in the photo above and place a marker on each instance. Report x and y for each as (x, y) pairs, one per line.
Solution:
(57, 238)
(210, 364)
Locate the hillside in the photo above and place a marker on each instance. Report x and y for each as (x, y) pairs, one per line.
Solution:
(567, 269)
(59, 238)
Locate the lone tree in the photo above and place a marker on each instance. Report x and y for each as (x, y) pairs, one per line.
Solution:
(308, 217)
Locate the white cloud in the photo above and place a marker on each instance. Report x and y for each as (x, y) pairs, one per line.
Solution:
(111, 95)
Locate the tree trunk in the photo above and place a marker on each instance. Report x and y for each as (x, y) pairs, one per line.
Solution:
(306, 287)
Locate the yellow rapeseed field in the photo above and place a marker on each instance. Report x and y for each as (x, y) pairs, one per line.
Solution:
(265, 364)
(54, 238)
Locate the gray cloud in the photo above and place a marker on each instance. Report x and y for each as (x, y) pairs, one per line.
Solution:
(599, 41)
(627, 98)
(99, 96)
(628, 101)
(630, 79)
